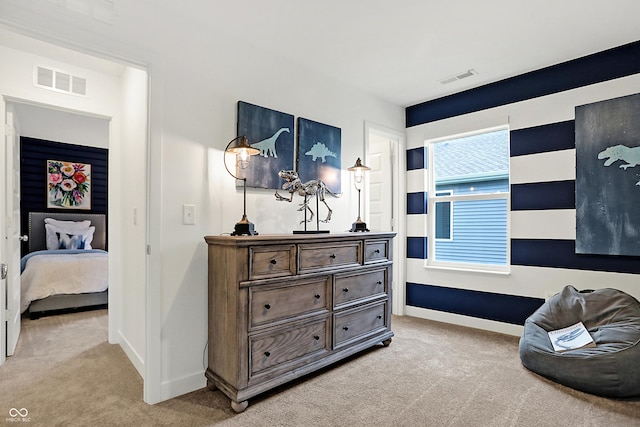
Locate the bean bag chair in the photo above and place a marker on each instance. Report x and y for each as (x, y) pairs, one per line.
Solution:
(612, 317)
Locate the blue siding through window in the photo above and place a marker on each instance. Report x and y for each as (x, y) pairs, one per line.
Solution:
(479, 233)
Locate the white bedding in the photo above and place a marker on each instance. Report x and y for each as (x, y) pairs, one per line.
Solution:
(49, 273)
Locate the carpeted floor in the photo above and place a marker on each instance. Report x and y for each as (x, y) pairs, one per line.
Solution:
(433, 374)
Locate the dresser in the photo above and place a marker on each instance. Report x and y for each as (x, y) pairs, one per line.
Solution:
(282, 306)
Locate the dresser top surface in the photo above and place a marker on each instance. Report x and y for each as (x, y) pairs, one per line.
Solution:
(295, 238)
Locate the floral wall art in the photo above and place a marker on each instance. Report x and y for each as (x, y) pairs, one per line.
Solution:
(68, 185)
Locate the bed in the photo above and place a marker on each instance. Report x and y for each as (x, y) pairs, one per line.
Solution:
(66, 267)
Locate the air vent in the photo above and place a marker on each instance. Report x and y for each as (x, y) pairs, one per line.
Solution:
(459, 76)
(59, 81)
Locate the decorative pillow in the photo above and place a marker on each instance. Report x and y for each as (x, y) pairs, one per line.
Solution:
(70, 241)
(65, 239)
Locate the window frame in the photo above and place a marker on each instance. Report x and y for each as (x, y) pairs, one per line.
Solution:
(450, 238)
(431, 262)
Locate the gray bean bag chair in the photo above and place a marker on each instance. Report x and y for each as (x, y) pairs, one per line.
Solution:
(612, 318)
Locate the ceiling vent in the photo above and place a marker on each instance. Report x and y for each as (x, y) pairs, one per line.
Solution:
(459, 76)
(59, 81)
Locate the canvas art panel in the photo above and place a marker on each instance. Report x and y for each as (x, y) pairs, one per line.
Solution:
(271, 132)
(319, 153)
(68, 185)
(608, 177)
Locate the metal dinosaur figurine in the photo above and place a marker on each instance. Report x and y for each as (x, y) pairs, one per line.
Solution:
(314, 187)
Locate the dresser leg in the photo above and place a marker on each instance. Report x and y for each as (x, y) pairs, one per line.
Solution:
(386, 342)
(239, 406)
(211, 385)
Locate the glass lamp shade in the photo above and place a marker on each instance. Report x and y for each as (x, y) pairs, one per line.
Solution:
(242, 150)
(358, 170)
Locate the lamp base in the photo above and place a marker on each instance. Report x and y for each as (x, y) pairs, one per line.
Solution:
(244, 229)
(359, 226)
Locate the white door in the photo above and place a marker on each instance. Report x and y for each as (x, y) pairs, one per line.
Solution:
(380, 184)
(13, 238)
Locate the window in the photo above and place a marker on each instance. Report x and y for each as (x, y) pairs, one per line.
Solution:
(468, 212)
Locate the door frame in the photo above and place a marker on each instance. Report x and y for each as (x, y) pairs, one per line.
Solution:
(397, 140)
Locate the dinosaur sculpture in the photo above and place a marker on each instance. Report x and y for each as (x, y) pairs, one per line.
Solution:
(319, 150)
(314, 187)
(268, 146)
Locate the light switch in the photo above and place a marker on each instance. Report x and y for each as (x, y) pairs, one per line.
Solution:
(189, 214)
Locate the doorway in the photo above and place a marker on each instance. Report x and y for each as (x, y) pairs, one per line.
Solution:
(118, 97)
(384, 153)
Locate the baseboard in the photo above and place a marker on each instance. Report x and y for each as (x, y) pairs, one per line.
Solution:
(133, 356)
(458, 319)
(180, 386)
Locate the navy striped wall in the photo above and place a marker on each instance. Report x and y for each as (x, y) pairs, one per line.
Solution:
(543, 195)
(531, 196)
(416, 158)
(417, 203)
(485, 305)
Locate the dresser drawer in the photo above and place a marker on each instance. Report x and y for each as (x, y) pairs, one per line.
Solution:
(319, 257)
(355, 288)
(290, 346)
(272, 303)
(376, 251)
(358, 323)
(272, 261)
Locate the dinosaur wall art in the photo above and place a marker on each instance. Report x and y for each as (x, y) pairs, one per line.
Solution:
(607, 186)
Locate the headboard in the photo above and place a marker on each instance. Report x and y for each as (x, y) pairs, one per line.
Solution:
(37, 235)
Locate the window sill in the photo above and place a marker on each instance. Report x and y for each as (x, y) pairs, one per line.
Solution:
(505, 271)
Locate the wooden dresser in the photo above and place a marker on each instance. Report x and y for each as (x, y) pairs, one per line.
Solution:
(282, 306)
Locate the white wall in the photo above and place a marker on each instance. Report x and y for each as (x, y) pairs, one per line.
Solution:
(552, 224)
(61, 126)
(197, 75)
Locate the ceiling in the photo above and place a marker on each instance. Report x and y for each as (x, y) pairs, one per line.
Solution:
(400, 51)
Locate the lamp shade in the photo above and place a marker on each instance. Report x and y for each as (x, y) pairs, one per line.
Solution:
(240, 147)
(358, 170)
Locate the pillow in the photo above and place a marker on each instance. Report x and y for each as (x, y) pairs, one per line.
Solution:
(69, 226)
(64, 239)
(70, 241)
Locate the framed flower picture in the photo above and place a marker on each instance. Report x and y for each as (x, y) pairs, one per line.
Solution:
(68, 185)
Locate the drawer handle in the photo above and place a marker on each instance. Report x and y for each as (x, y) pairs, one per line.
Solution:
(379, 282)
(267, 353)
(379, 316)
(345, 290)
(332, 256)
(377, 251)
(267, 306)
(345, 328)
(273, 261)
(317, 296)
(316, 337)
